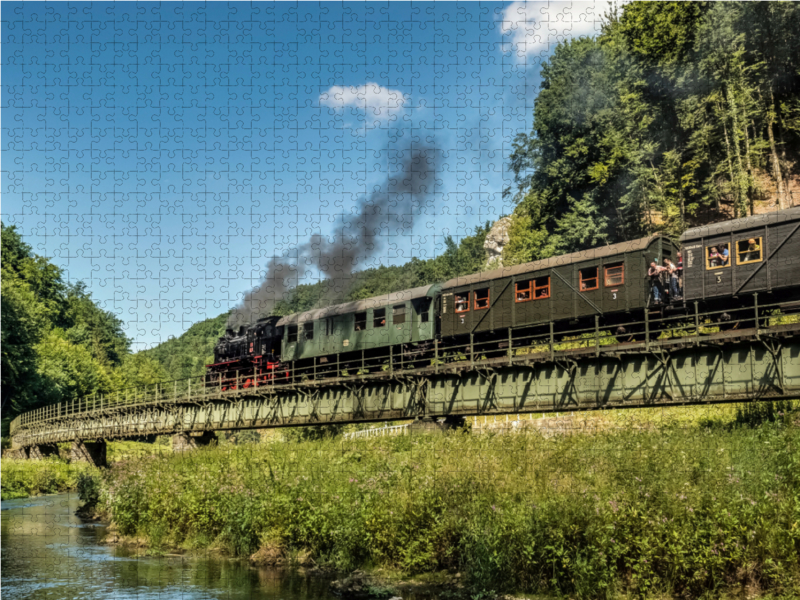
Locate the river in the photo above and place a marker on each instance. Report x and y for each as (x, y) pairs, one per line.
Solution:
(50, 554)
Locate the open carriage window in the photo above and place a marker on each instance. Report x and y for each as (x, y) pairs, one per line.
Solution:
(541, 288)
(291, 336)
(423, 308)
(308, 330)
(361, 321)
(462, 302)
(615, 274)
(379, 317)
(482, 299)
(522, 291)
(749, 251)
(589, 279)
(399, 314)
(717, 256)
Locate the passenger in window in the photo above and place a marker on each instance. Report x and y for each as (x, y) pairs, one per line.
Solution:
(725, 254)
(714, 258)
(461, 304)
(654, 272)
(753, 251)
(679, 270)
(542, 293)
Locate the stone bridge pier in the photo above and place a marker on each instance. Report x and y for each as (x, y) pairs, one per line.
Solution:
(186, 441)
(93, 453)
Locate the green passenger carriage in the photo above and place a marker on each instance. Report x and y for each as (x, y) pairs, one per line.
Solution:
(608, 282)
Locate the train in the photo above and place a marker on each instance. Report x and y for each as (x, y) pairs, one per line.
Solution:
(724, 267)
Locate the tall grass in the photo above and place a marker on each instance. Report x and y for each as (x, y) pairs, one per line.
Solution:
(685, 510)
(23, 478)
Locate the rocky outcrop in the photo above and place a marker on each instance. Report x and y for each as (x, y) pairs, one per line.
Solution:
(496, 240)
(360, 585)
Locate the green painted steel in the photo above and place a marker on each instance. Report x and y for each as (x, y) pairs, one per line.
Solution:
(723, 368)
(362, 325)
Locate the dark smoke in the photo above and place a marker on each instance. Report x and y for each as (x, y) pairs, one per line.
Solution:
(384, 215)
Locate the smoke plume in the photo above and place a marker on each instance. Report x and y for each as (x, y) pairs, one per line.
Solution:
(382, 217)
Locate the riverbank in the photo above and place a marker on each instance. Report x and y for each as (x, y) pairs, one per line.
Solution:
(685, 511)
(24, 478)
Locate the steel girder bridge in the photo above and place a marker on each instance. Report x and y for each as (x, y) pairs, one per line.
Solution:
(690, 364)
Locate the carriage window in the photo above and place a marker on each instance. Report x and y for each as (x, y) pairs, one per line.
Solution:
(615, 275)
(482, 299)
(749, 251)
(291, 337)
(379, 317)
(308, 330)
(361, 321)
(399, 314)
(423, 308)
(462, 302)
(328, 326)
(589, 279)
(522, 291)
(541, 288)
(717, 256)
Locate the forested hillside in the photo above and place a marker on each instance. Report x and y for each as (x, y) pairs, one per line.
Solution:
(679, 113)
(57, 344)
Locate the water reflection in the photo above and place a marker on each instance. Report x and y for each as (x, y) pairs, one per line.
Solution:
(48, 553)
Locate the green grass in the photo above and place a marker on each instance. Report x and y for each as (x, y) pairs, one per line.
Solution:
(23, 478)
(693, 507)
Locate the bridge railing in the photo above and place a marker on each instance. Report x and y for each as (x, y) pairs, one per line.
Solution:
(534, 342)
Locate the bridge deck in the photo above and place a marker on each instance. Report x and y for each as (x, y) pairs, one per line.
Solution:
(743, 364)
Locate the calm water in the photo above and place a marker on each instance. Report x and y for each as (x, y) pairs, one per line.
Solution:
(49, 553)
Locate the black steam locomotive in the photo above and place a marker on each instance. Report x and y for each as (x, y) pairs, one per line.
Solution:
(612, 287)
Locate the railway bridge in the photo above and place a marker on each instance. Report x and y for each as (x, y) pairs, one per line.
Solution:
(691, 362)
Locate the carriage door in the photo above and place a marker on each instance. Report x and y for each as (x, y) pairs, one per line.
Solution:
(401, 323)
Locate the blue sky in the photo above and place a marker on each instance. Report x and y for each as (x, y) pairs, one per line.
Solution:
(164, 152)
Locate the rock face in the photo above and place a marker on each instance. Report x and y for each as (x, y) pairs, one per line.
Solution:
(496, 240)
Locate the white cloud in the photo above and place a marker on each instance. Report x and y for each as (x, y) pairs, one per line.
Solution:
(380, 101)
(537, 27)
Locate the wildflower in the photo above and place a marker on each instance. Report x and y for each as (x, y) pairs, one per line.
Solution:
(494, 507)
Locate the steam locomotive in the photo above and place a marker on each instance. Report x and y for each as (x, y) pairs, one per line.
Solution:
(724, 266)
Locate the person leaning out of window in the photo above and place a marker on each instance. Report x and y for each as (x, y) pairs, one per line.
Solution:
(724, 255)
(753, 251)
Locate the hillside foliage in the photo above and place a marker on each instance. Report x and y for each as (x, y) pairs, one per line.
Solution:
(678, 113)
(57, 343)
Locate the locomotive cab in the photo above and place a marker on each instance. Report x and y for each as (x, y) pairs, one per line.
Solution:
(247, 357)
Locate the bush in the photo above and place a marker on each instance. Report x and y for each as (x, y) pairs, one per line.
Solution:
(88, 486)
(23, 478)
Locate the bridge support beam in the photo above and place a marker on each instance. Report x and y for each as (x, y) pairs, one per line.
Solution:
(183, 442)
(93, 453)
